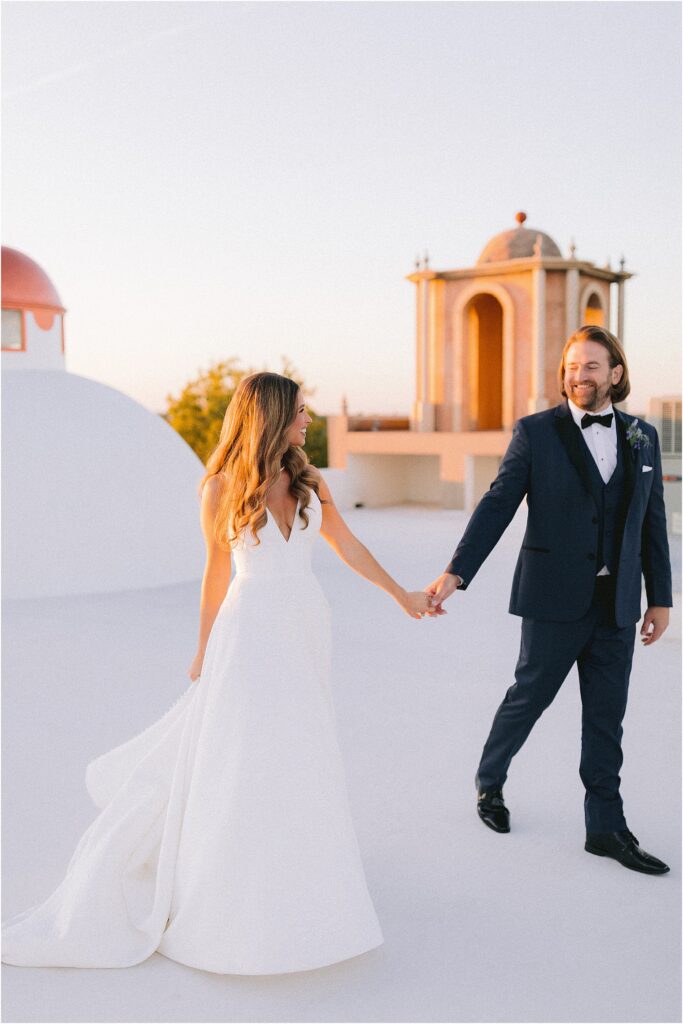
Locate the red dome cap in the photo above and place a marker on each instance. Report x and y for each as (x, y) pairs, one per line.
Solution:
(25, 284)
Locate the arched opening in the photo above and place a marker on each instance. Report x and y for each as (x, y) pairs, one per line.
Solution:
(594, 313)
(485, 363)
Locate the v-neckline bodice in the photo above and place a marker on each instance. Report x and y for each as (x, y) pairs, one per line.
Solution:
(270, 515)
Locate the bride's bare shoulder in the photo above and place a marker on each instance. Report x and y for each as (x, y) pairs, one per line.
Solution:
(211, 492)
(323, 490)
(210, 502)
(317, 476)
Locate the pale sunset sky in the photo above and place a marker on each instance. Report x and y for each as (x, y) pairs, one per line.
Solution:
(208, 180)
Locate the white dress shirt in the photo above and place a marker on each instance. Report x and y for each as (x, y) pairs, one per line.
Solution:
(601, 443)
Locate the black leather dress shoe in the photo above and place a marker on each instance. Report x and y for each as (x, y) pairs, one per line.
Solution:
(623, 846)
(492, 810)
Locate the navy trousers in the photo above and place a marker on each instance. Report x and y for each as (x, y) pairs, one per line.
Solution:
(603, 654)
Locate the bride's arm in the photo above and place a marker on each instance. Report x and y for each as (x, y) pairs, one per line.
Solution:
(216, 573)
(347, 546)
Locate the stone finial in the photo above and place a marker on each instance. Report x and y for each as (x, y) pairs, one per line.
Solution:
(417, 262)
(426, 259)
(572, 250)
(344, 406)
(622, 263)
(520, 217)
(538, 245)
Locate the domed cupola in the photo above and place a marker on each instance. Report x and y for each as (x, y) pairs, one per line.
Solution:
(518, 243)
(32, 316)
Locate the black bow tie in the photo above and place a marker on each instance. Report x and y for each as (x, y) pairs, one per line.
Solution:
(604, 421)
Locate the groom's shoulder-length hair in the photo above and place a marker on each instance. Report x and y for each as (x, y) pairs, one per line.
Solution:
(591, 332)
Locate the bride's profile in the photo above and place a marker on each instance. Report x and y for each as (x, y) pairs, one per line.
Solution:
(224, 838)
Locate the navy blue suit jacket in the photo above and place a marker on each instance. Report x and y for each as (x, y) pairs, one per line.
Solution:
(555, 575)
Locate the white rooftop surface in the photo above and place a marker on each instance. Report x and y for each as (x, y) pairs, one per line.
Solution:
(477, 926)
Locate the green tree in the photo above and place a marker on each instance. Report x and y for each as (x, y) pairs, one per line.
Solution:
(197, 412)
(316, 440)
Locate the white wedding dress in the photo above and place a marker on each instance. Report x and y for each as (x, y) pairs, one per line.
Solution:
(225, 839)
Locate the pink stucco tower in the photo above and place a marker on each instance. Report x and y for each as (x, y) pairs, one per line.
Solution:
(488, 341)
(489, 337)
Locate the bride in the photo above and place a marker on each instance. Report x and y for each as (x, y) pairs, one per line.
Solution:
(224, 839)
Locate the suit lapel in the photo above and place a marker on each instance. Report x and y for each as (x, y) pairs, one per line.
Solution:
(571, 439)
(629, 455)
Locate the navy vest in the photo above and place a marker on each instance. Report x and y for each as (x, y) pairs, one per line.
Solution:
(610, 499)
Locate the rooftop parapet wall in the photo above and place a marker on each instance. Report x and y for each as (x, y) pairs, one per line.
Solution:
(452, 448)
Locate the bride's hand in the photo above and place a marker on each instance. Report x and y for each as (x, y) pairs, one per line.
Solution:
(416, 603)
(195, 668)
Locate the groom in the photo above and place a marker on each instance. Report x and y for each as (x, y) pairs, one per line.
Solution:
(592, 477)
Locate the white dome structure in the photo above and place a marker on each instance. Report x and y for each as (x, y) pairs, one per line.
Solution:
(100, 494)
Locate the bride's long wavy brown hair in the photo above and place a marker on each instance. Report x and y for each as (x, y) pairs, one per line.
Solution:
(251, 451)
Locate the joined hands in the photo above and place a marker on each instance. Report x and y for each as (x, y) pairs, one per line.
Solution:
(416, 603)
(442, 588)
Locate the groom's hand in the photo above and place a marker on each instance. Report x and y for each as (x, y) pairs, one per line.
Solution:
(655, 622)
(440, 589)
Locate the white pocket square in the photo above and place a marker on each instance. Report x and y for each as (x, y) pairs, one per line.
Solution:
(646, 469)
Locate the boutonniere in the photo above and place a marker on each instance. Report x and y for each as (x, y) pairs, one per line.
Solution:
(636, 438)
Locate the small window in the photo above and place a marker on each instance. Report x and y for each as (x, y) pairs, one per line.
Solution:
(11, 329)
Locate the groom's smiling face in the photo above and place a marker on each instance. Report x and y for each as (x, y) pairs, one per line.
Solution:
(588, 376)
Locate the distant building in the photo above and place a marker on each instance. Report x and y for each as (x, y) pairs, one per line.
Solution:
(100, 494)
(488, 343)
(665, 414)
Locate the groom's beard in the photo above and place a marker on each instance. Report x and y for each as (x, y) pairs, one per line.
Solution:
(590, 397)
